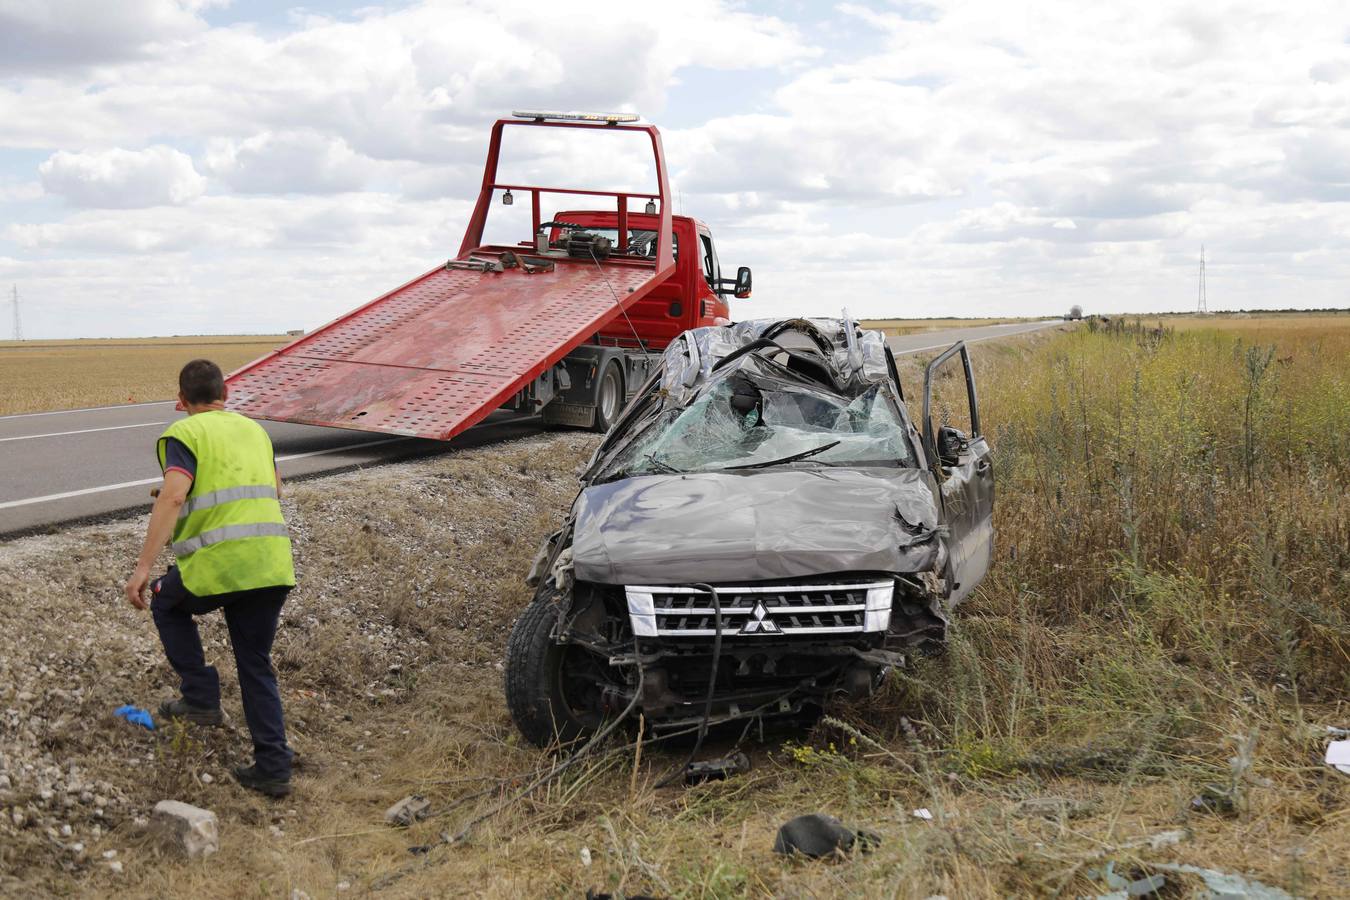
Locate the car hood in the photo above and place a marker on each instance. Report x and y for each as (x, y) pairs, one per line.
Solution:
(752, 526)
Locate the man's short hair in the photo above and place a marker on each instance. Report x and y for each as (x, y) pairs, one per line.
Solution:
(201, 382)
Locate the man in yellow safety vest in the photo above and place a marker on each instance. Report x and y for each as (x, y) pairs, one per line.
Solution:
(220, 506)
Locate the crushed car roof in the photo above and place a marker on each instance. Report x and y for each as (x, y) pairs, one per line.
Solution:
(855, 358)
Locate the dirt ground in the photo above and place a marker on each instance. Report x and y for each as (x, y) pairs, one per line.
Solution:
(409, 578)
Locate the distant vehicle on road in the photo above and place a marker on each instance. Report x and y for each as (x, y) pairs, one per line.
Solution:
(1075, 313)
(763, 529)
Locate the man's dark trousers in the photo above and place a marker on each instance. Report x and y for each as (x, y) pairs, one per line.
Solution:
(251, 617)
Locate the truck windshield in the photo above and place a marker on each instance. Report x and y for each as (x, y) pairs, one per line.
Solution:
(737, 425)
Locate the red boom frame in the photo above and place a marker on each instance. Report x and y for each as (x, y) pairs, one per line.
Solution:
(473, 234)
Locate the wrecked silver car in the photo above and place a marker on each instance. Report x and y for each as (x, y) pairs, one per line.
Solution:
(762, 529)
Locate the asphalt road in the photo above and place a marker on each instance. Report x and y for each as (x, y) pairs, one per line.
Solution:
(58, 467)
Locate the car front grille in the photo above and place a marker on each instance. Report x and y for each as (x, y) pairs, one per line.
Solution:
(761, 611)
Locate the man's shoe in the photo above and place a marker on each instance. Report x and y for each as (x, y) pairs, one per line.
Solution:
(251, 778)
(197, 715)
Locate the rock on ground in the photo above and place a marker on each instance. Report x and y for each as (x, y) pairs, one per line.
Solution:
(187, 828)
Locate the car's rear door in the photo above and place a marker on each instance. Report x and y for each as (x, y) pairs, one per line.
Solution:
(960, 459)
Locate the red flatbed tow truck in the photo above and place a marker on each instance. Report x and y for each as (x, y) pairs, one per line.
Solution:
(566, 325)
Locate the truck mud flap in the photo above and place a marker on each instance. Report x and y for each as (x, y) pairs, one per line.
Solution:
(572, 415)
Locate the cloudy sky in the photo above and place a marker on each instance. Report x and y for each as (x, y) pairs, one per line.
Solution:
(190, 166)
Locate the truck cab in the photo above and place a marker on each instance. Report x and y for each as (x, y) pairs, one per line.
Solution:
(693, 296)
(608, 369)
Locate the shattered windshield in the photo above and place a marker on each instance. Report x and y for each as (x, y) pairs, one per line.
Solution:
(739, 424)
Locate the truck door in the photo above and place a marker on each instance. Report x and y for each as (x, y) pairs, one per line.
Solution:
(960, 459)
(711, 304)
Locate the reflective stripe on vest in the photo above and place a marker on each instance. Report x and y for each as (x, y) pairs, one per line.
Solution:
(228, 495)
(227, 533)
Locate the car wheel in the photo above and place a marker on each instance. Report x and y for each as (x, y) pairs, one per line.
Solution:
(551, 689)
(609, 398)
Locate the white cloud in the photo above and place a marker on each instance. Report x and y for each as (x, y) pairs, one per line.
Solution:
(954, 157)
(414, 83)
(122, 179)
(302, 162)
(49, 35)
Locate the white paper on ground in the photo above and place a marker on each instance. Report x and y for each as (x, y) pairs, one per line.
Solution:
(1338, 755)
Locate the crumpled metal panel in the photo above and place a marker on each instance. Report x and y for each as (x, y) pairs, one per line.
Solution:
(742, 527)
(437, 355)
(688, 362)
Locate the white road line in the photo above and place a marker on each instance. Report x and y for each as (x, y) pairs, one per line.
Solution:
(66, 412)
(31, 437)
(292, 456)
(80, 493)
(29, 501)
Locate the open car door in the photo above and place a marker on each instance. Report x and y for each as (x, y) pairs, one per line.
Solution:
(961, 464)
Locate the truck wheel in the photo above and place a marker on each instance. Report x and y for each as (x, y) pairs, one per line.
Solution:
(551, 699)
(608, 398)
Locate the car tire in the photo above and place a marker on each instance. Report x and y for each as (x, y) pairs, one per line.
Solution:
(608, 397)
(534, 681)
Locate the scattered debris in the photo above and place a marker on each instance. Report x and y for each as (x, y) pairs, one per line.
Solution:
(1123, 888)
(1215, 799)
(586, 857)
(717, 769)
(136, 716)
(410, 809)
(1338, 756)
(1166, 839)
(188, 828)
(922, 813)
(1226, 885)
(817, 835)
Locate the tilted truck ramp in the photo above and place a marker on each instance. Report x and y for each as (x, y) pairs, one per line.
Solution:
(437, 355)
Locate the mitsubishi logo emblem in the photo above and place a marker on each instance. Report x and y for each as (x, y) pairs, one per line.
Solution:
(759, 622)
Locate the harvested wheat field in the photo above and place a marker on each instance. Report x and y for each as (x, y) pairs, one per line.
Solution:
(36, 376)
(1167, 619)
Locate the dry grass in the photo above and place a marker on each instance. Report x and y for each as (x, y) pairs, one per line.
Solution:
(1267, 328)
(44, 375)
(1173, 538)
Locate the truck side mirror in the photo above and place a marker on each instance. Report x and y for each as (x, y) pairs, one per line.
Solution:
(742, 282)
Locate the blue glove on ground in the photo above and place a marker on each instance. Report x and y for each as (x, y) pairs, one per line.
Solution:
(136, 716)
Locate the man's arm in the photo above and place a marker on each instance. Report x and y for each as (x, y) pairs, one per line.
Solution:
(162, 519)
(277, 472)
